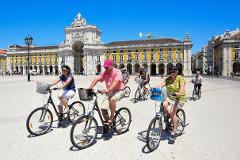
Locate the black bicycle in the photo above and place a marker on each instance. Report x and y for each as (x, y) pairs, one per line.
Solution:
(196, 94)
(40, 119)
(141, 92)
(84, 131)
(160, 121)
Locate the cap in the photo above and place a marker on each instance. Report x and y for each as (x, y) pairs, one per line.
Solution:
(108, 63)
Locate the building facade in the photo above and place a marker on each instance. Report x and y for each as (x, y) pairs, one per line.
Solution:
(157, 56)
(199, 61)
(3, 61)
(224, 53)
(84, 52)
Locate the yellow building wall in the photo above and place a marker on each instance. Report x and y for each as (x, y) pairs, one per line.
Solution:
(165, 54)
(233, 54)
(118, 56)
(156, 56)
(111, 55)
(148, 55)
(140, 56)
(174, 56)
(125, 56)
(53, 58)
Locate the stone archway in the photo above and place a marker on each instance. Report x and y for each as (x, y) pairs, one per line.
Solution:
(78, 57)
(121, 66)
(115, 65)
(56, 70)
(180, 68)
(40, 69)
(136, 67)
(35, 68)
(21, 69)
(145, 66)
(51, 69)
(161, 69)
(129, 68)
(169, 67)
(45, 70)
(99, 68)
(236, 67)
(153, 69)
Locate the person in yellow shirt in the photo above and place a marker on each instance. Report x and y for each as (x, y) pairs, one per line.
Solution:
(175, 95)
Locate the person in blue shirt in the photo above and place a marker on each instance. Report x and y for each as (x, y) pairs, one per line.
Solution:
(68, 89)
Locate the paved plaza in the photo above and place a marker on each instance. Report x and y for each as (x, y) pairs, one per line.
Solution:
(212, 133)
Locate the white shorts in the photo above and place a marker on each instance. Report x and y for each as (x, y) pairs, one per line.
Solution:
(176, 103)
(67, 94)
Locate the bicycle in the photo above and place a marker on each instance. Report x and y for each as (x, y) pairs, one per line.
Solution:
(155, 127)
(84, 131)
(127, 90)
(196, 92)
(141, 92)
(40, 120)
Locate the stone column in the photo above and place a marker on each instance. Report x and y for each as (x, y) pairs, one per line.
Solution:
(165, 69)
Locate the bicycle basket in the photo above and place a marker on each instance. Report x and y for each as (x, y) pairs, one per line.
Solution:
(156, 94)
(42, 88)
(85, 94)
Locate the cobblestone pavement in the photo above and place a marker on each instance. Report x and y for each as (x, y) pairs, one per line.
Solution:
(212, 133)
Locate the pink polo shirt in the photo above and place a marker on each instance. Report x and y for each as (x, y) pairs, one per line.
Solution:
(109, 78)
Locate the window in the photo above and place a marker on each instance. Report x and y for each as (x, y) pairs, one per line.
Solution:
(152, 56)
(170, 54)
(114, 57)
(236, 54)
(98, 59)
(161, 54)
(107, 54)
(121, 57)
(136, 55)
(129, 57)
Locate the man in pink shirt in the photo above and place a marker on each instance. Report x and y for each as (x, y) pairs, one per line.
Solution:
(114, 92)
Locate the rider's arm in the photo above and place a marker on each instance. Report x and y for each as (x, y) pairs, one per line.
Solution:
(113, 86)
(182, 89)
(96, 80)
(55, 82)
(147, 78)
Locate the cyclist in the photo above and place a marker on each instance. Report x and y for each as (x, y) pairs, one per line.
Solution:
(197, 80)
(143, 74)
(68, 86)
(114, 92)
(175, 90)
(125, 75)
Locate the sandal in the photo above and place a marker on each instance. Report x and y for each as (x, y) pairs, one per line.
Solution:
(110, 123)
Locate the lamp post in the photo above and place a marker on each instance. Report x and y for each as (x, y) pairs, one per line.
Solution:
(28, 41)
(213, 60)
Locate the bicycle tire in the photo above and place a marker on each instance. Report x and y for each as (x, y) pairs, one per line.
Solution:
(76, 110)
(30, 125)
(137, 96)
(181, 121)
(120, 121)
(83, 143)
(151, 144)
(199, 94)
(127, 91)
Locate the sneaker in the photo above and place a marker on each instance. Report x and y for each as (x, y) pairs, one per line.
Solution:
(173, 136)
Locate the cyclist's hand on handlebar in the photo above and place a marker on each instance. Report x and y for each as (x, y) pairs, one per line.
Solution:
(173, 94)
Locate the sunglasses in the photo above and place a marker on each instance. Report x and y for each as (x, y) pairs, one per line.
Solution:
(106, 68)
(64, 70)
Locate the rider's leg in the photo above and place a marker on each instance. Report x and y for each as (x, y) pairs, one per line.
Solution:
(112, 106)
(165, 108)
(174, 118)
(105, 114)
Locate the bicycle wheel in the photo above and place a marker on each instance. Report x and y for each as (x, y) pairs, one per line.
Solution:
(127, 91)
(154, 133)
(199, 93)
(137, 95)
(84, 132)
(145, 94)
(194, 94)
(181, 121)
(122, 120)
(76, 110)
(39, 121)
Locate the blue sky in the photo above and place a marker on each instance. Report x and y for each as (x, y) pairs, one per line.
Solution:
(45, 20)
